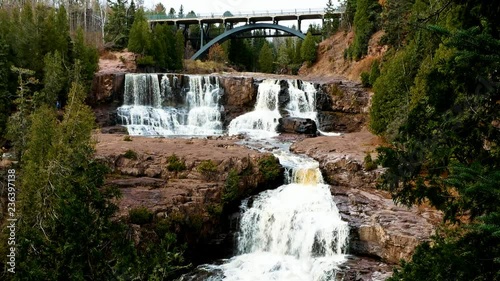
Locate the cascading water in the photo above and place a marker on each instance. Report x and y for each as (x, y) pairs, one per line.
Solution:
(294, 232)
(291, 233)
(151, 110)
(262, 122)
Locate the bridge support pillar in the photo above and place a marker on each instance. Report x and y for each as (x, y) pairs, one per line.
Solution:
(300, 22)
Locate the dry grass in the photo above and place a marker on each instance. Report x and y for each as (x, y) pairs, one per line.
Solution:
(107, 55)
(331, 60)
(205, 67)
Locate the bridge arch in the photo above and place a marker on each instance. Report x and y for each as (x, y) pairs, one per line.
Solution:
(227, 35)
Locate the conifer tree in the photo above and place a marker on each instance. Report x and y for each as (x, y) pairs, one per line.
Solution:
(266, 58)
(308, 49)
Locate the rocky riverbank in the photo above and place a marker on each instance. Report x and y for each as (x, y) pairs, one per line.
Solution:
(381, 232)
(194, 184)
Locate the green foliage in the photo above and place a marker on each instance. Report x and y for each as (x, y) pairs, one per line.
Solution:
(331, 23)
(127, 138)
(231, 189)
(392, 91)
(445, 150)
(139, 37)
(179, 50)
(266, 59)
(174, 164)
(140, 216)
(308, 49)
(365, 24)
(270, 168)
(208, 169)
(145, 61)
(365, 79)
(215, 210)
(86, 57)
(395, 21)
(349, 13)
(374, 72)
(130, 154)
(369, 164)
(119, 23)
(5, 99)
(54, 80)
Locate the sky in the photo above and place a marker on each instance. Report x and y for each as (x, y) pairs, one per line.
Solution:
(218, 7)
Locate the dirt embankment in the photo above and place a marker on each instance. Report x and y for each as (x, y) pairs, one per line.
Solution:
(331, 62)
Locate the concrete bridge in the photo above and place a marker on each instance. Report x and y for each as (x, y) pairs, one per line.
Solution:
(250, 21)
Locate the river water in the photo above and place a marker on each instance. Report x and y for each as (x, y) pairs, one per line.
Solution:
(293, 232)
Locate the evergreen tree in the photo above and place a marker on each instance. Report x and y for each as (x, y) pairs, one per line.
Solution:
(140, 36)
(308, 49)
(331, 22)
(181, 12)
(365, 20)
(266, 58)
(179, 50)
(54, 81)
(117, 27)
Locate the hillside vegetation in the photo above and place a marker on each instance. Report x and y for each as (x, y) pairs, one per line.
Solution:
(437, 104)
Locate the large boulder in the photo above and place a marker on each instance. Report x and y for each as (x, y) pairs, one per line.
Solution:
(297, 125)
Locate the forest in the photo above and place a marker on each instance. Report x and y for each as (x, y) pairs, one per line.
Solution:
(436, 104)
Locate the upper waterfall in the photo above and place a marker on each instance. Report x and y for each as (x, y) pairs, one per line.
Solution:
(299, 101)
(151, 109)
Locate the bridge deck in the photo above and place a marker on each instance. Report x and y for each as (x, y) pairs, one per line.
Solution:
(250, 17)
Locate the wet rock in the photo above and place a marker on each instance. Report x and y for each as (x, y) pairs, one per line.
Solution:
(114, 130)
(240, 94)
(297, 125)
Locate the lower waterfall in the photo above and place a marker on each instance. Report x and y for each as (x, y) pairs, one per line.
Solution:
(292, 233)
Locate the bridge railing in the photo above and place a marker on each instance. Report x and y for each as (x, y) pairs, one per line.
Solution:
(241, 14)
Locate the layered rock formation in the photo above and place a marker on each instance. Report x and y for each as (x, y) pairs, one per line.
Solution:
(148, 176)
(379, 228)
(341, 106)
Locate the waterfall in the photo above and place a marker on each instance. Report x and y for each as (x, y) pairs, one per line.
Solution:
(294, 232)
(150, 107)
(262, 121)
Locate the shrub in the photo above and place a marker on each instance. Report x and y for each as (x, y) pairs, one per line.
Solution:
(370, 165)
(215, 210)
(231, 187)
(270, 168)
(174, 164)
(145, 61)
(374, 72)
(130, 154)
(365, 79)
(208, 169)
(127, 138)
(140, 216)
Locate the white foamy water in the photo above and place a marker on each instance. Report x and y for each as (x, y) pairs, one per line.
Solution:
(143, 112)
(262, 121)
(294, 232)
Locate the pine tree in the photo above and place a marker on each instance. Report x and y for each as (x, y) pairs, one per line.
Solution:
(308, 49)
(140, 36)
(266, 59)
(179, 50)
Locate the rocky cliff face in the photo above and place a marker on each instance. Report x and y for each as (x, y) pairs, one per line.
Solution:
(341, 106)
(379, 228)
(194, 195)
